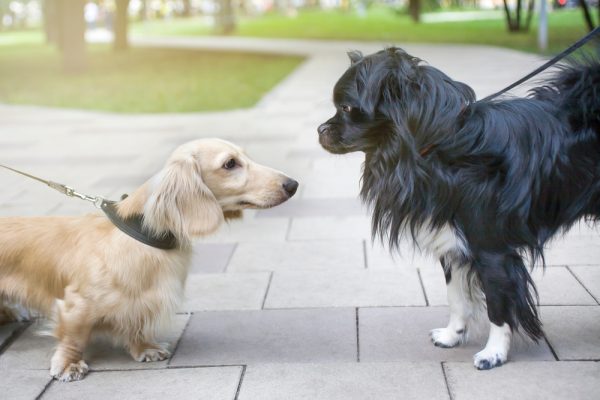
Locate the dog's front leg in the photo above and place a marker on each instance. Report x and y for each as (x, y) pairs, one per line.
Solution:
(73, 331)
(461, 308)
(147, 351)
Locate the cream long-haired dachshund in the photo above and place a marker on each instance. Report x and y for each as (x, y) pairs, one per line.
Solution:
(90, 277)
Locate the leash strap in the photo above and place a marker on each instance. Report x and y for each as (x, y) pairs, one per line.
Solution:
(547, 65)
(64, 189)
(131, 226)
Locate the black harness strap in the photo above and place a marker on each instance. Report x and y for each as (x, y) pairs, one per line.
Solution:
(132, 226)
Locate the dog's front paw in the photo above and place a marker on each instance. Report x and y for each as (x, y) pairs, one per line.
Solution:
(489, 358)
(447, 337)
(153, 354)
(72, 372)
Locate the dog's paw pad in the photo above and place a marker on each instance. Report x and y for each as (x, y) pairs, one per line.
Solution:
(488, 359)
(446, 337)
(73, 372)
(150, 355)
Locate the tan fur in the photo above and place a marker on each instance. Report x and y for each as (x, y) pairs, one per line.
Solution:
(88, 276)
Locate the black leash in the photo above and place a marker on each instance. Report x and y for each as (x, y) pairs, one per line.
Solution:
(131, 226)
(547, 65)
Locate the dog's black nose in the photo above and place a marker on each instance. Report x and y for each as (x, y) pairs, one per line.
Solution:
(290, 187)
(323, 128)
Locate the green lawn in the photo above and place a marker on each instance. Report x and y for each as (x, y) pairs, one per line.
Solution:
(386, 25)
(138, 81)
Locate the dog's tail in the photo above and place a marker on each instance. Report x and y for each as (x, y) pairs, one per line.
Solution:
(575, 91)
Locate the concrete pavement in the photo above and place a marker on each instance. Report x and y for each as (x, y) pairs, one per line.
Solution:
(293, 302)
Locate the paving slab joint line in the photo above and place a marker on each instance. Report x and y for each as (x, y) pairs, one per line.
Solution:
(239, 387)
(357, 338)
(581, 283)
(364, 242)
(14, 336)
(423, 287)
(190, 367)
(288, 230)
(179, 339)
(235, 246)
(46, 387)
(262, 307)
(450, 395)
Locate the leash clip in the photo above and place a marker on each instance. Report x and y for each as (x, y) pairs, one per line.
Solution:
(71, 192)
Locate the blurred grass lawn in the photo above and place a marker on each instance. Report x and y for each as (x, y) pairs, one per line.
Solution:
(137, 81)
(384, 24)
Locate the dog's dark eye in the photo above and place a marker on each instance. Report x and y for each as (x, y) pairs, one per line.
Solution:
(346, 108)
(230, 164)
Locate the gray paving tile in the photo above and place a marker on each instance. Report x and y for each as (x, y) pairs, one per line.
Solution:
(251, 230)
(557, 286)
(300, 255)
(242, 291)
(211, 257)
(574, 250)
(402, 334)
(30, 351)
(344, 381)
(357, 288)
(313, 228)
(573, 331)
(9, 331)
(268, 336)
(525, 380)
(379, 256)
(434, 284)
(103, 355)
(315, 207)
(21, 384)
(192, 383)
(334, 177)
(590, 278)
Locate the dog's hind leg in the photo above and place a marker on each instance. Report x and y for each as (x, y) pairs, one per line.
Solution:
(461, 306)
(73, 331)
(510, 298)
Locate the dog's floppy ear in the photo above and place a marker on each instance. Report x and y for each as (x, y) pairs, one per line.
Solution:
(181, 202)
(355, 56)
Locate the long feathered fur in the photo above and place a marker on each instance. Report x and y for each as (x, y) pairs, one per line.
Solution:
(506, 175)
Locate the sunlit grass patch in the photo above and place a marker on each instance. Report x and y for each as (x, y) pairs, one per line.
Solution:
(141, 80)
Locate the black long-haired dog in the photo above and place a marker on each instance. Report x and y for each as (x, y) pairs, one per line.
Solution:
(479, 184)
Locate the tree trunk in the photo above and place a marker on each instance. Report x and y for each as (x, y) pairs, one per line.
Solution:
(225, 21)
(121, 41)
(187, 8)
(72, 34)
(143, 14)
(51, 22)
(414, 8)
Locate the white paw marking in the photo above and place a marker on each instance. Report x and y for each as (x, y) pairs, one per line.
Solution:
(446, 337)
(150, 355)
(489, 358)
(495, 352)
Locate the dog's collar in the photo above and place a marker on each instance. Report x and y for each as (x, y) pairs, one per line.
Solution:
(132, 226)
